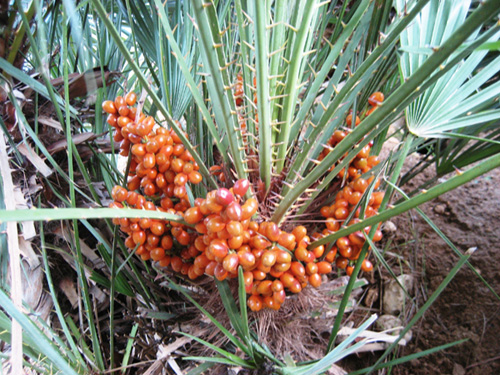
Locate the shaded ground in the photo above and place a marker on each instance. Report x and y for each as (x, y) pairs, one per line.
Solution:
(470, 217)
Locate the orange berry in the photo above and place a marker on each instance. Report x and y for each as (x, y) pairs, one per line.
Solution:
(271, 303)
(246, 259)
(149, 160)
(298, 269)
(176, 263)
(131, 98)
(295, 287)
(268, 259)
(311, 268)
(376, 98)
(165, 261)
(349, 270)
(259, 275)
(220, 273)
(357, 238)
(139, 237)
(224, 197)
(230, 263)
(318, 251)
(241, 187)
(366, 266)
(325, 211)
(235, 242)
(254, 303)
(282, 267)
(264, 287)
(315, 280)
(341, 213)
(279, 297)
(341, 262)
(194, 177)
(330, 257)
(287, 240)
(210, 268)
(234, 211)
(272, 232)
(157, 253)
(249, 208)
(324, 267)
(218, 248)
(301, 254)
(109, 107)
(299, 232)
(283, 256)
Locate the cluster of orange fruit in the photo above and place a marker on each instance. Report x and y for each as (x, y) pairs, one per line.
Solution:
(219, 234)
(160, 167)
(239, 94)
(272, 260)
(347, 199)
(349, 248)
(363, 161)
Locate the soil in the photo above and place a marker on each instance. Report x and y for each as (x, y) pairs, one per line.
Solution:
(466, 309)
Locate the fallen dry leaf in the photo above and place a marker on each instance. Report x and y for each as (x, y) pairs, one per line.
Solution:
(34, 159)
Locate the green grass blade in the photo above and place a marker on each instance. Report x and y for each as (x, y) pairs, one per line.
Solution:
(59, 312)
(357, 22)
(264, 105)
(47, 214)
(224, 361)
(130, 344)
(231, 308)
(341, 351)
(242, 296)
(226, 332)
(201, 368)
(40, 341)
(232, 358)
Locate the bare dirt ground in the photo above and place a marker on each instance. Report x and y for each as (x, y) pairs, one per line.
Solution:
(467, 309)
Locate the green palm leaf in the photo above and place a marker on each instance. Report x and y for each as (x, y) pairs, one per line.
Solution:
(457, 99)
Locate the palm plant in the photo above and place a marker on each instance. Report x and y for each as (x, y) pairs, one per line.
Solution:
(300, 67)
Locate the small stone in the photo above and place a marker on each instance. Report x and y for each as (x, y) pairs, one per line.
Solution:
(371, 297)
(440, 209)
(387, 321)
(390, 322)
(389, 227)
(458, 369)
(394, 297)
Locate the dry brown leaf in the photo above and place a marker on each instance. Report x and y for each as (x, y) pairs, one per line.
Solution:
(28, 253)
(156, 368)
(77, 139)
(34, 159)
(15, 263)
(28, 231)
(166, 350)
(173, 364)
(65, 233)
(82, 84)
(50, 122)
(69, 289)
